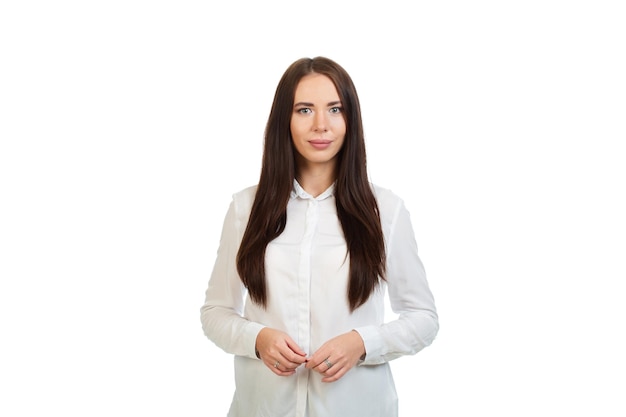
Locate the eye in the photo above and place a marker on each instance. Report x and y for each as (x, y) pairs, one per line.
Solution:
(335, 109)
(304, 110)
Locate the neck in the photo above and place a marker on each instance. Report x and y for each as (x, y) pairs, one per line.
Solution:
(316, 179)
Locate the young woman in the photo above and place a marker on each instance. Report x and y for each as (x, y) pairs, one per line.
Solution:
(305, 260)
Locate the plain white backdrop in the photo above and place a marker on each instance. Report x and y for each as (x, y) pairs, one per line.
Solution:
(125, 127)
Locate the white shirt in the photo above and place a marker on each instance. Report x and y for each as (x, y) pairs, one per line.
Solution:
(307, 279)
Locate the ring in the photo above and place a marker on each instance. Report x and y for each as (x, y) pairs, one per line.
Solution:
(328, 363)
(276, 364)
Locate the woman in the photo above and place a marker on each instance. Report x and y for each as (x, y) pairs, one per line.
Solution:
(297, 291)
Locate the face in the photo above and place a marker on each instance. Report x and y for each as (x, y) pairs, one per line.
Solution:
(317, 124)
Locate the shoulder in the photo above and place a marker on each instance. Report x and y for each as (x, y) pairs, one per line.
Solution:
(243, 199)
(390, 206)
(245, 195)
(387, 199)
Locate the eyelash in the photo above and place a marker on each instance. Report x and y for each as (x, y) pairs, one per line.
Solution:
(334, 110)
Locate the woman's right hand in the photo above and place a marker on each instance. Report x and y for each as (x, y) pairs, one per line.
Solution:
(279, 352)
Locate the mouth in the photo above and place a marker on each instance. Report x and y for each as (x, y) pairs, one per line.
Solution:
(320, 143)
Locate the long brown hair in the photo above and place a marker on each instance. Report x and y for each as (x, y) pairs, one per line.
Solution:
(357, 208)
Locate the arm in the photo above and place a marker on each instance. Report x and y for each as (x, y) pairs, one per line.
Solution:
(221, 314)
(410, 297)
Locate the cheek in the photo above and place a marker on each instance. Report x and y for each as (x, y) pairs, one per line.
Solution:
(340, 128)
(296, 129)
(339, 124)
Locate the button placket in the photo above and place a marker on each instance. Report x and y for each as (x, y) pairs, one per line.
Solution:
(304, 296)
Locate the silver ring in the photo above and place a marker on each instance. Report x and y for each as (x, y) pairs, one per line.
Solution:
(276, 364)
(328, 363)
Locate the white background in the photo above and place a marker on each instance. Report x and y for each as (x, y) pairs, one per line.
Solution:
(125, 127)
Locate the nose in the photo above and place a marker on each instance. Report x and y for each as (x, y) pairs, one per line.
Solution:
(320, 124)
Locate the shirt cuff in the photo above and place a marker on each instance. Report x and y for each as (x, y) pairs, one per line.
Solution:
(373, 343)
(250, 334)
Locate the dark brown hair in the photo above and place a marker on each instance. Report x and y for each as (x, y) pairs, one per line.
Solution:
(357, 208)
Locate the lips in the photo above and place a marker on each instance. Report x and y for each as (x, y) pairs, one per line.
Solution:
(320, 143)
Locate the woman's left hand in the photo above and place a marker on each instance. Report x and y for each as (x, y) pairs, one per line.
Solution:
(337, 356)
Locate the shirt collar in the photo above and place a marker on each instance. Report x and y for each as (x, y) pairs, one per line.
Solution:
(298, 191)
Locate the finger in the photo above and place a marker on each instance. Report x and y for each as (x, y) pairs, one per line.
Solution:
(335, 372)
(278, 372)
(317, 366)
(293, 358)
(322, 366)
(295, 348)
(290, 361)
(337, 375)
(326, 365)
(317, 359)
(280, 369)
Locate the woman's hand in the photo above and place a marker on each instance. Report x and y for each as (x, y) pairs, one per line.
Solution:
(337, 356)
(279, 352)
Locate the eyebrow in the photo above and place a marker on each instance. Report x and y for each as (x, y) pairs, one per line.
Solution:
(305, 104)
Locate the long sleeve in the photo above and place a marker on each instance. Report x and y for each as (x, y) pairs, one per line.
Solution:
(307, 279)
(221, 314)
(409, 295)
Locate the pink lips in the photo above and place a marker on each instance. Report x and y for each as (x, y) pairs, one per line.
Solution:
(320, 143)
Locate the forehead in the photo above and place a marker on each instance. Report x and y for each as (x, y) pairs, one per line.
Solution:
(316, 87)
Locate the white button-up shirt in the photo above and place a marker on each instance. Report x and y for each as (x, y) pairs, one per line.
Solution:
(307, 281)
